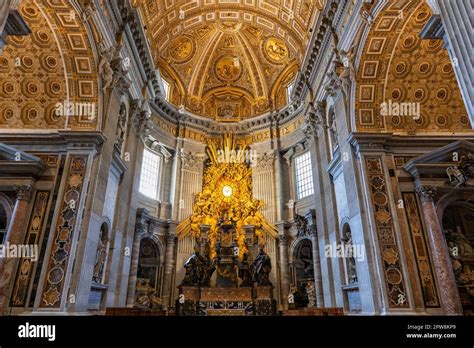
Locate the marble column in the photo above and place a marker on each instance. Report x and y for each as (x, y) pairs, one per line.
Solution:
(318, 280)
(15, 235)
(283, 263)
(170, 264)
(457, 22)
(443, 269)
(140, 229)
(4, 10)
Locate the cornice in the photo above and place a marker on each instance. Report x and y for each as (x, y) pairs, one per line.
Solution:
(370, 142)
(58, 138)
(183, 118)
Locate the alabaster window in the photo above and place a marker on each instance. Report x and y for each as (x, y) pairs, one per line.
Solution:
(149, 179)
(166, 86)
(289, 89)
(304, 176)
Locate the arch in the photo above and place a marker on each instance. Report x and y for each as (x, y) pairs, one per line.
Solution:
(457, 221)
(349, 262)
(149, 263)
(393, 57)
(283, 80)
(6, 212)
(293, 246)
(302, 270)
(61, 50)
(101, 256)
(450, 197)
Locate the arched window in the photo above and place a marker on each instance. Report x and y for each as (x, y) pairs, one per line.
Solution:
(166, 89)
(289, 90)
(101, 255)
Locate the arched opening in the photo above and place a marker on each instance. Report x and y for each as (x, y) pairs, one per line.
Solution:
(149, 262)
(6, 211)
(303, 273)
(148, 275)
(350, 264)
(98, 286)
(101, 255)
(458, 226)
(3, 223)
(350, 279)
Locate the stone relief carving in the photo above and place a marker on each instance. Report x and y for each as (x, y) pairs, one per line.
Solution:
(314, 119)
(366, 13)
(140, 117)
(121, 82)
(426, 193)
(23, 192)
(191, 161)
(88, 8)
(460, 174)
(265, 162)
(460, 251)
(121, 131)
(105, 69)
(311, 292)
(301, 225)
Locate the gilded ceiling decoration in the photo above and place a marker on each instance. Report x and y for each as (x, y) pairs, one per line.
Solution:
(403, 71)
(229, 59)
(50, 67)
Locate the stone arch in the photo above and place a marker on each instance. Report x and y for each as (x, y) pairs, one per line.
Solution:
(419, 75)
(102, 248)
(6, 212)
(150, 263)
(456, 219)
(302, 269)
(52, 66)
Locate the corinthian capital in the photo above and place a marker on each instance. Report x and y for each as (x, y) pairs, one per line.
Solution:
(427, 193)
(23, 192)
(314, 119)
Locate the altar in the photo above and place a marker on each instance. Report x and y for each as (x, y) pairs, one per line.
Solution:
(250, 301)
(229, 271)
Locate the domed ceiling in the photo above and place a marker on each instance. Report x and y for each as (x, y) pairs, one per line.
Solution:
(228, 59)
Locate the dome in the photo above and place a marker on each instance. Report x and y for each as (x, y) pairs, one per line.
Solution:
(229, 60)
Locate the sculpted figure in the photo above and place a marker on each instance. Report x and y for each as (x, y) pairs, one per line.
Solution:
(262, 267)
(105, 69)
(194, 267)
(245, 271)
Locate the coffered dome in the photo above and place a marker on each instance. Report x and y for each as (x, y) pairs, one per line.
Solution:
(229, 59)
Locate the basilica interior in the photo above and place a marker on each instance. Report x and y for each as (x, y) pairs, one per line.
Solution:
(236, 157)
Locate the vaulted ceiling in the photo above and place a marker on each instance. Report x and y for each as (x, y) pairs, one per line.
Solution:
(229, 59)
